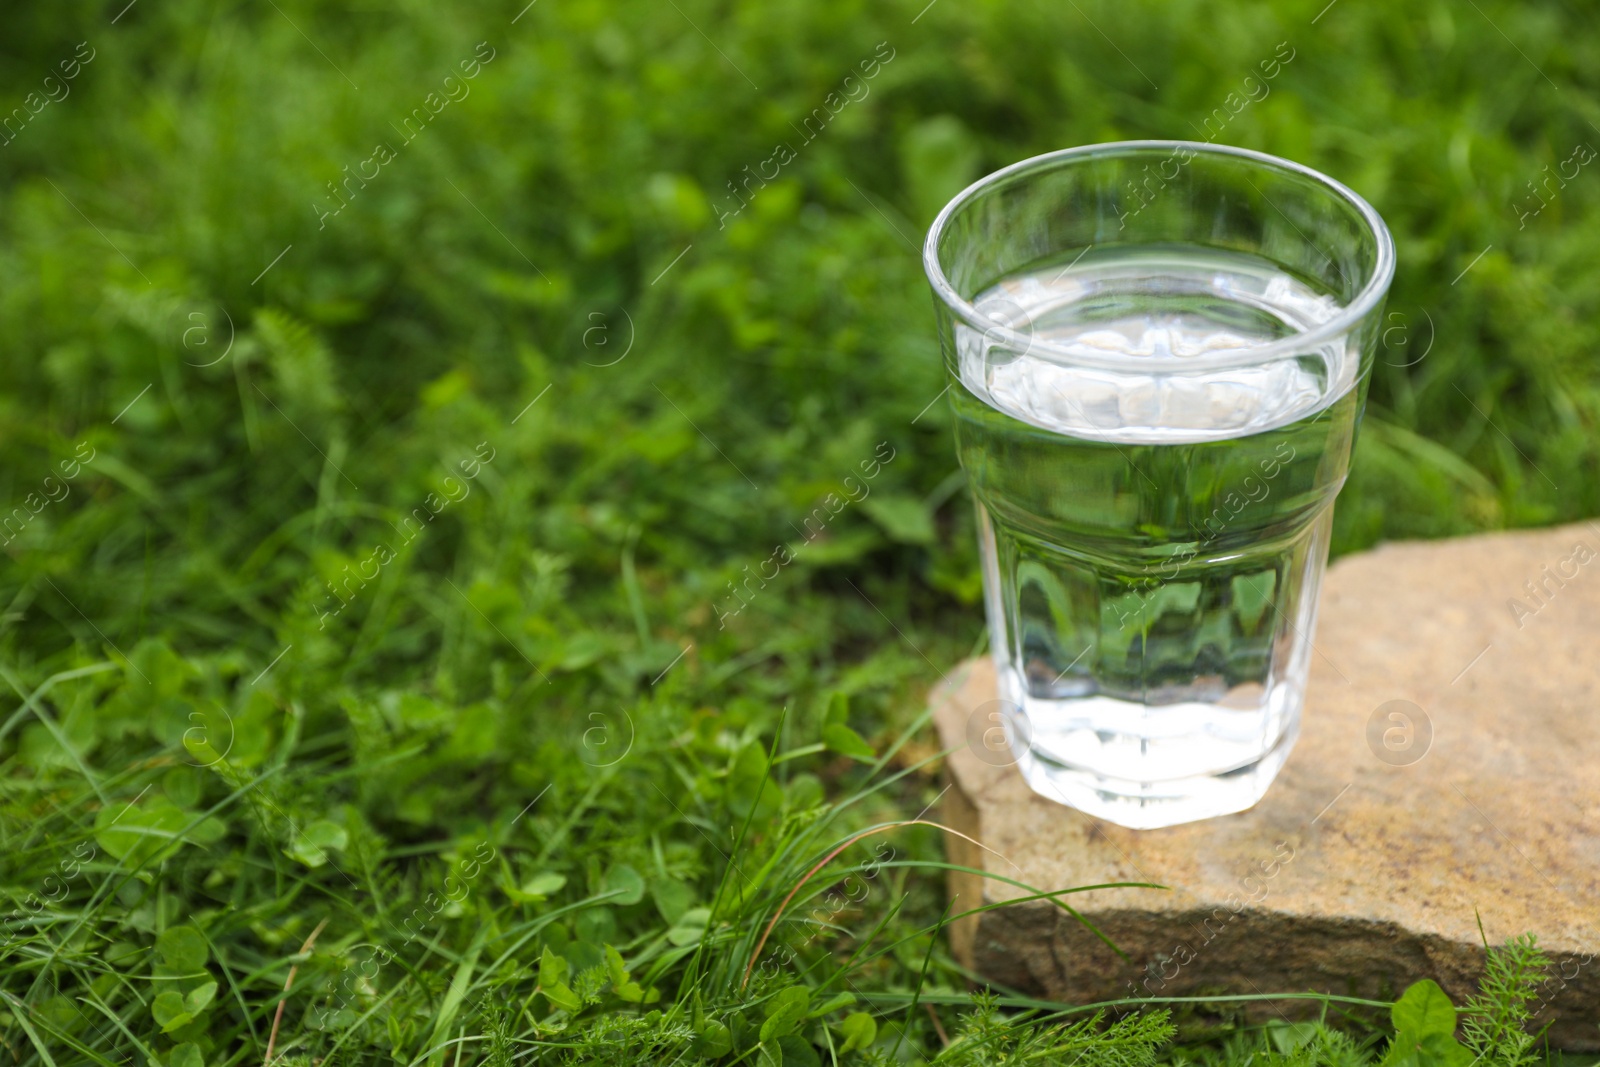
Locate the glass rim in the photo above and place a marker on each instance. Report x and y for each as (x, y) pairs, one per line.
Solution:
(1371, 294)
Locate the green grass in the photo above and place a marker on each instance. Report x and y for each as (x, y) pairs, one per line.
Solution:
(251, 704)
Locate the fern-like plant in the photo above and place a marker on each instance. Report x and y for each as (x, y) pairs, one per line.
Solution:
(989, 1037)
(1496, 1021)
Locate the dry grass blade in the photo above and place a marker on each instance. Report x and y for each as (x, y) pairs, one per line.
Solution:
(288, 983)
(824, 861)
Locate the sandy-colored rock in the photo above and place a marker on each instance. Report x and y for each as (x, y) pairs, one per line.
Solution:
(1367, 863)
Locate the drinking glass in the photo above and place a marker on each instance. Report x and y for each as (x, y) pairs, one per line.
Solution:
(1158, 354)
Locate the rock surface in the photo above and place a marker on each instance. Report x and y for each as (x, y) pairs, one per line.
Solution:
(1367, 863)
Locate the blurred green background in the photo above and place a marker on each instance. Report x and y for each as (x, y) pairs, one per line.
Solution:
(290, 272)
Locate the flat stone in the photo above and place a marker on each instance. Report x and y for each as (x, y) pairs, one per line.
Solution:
(1368, 862)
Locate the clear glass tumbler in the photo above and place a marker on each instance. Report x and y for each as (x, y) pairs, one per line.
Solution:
(1158, 355)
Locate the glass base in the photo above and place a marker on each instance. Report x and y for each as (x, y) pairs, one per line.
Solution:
(1144, 766)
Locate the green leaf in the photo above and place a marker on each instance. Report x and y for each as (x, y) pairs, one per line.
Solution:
(634, 993)
(1424, 1009)
(859, 1030)
(904, 518)
(838, 712)
(784, 1012)
(672, 899)
(623, 985)
(121, 952)
(691, 927)
(562, 997)
(181, 950)
(595, 924)
(1287, 1037)
(831, 550)
(625, 882)
(832, 1004)
(311, 845)
(169, 1011)
(1443, 1050)
(614, 966)
(791, 1000)
(797, 1052)
(199, 997)
(536, 889)
(749, 782)
(713, 1040)
(136, 832)
(552, 968)
(186, 1055)
(182, 786)
(1425, 1024)
(544, 884)
(552, 982)
(847, 742)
